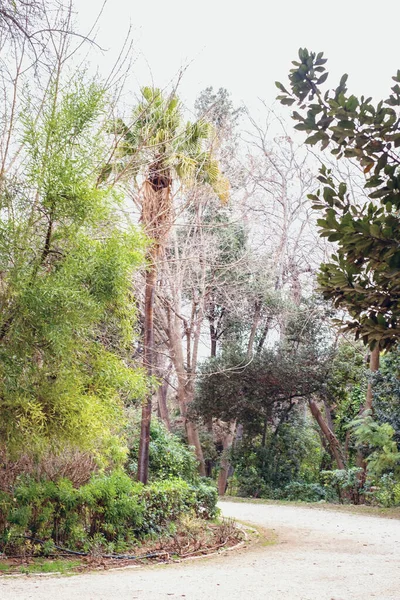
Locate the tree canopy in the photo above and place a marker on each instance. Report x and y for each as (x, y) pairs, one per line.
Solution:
(363, 276)
(67, 311)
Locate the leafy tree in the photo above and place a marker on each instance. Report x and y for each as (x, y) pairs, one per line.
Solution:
(345, 386)
(66, 309)
(363, 276)
(265, 389)
(387, 392)
(255, 392)
(163, 151)
(217, 108)
(377, 443)
(291, 453)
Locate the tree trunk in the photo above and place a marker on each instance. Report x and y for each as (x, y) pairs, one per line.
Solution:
(213, 339)
(332, 440)
(264, 334)
(191, 429)
(185, 391)
(148, 361)
(184, 397)
(162, 404)
(264, 433)
(252, 337)
(194, 440)
(373, 367)
(360, 459)
(328, 415)
(225, 464)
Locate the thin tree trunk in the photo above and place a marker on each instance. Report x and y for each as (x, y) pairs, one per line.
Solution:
(332, 440)
(163, 374)
(213, 353)
(228, 439)
(328, 414)
(194, 440)
(360, 459)
(264, 433)
(162, 403)
(256, 320)
(264, 334)
(148, 360)
(213, 339)
(185, 394)
(239, 434)
(346, 445)
(373, 367)
(225, 464)
(191, 430)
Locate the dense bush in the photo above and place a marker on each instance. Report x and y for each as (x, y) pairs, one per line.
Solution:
(165, 501)
(248, 484)
(386, 384)
(291, 454)
(305, 492)
(347, 483)
(110, 511)
(168, 455)
(295, 490)
(206, 497)
(387, 492)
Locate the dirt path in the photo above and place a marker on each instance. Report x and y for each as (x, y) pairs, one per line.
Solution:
(319, 555)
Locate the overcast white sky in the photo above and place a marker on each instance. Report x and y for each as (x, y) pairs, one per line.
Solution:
(245, 46)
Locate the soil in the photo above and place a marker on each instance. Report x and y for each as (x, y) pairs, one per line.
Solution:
(317, 555)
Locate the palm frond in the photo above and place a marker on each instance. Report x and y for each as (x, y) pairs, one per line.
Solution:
(185, 167)
(159, 143)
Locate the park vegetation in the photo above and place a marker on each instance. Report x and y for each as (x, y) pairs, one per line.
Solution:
(185, 309)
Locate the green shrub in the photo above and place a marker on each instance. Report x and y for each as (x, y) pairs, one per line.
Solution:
(306, 492)
(109, 512)
(251, 485)
(386, 492)
(345, 482)
(206, 498)
(295, 490)
(291, 454)
(111, 505)
(169, 457)
(165, 501)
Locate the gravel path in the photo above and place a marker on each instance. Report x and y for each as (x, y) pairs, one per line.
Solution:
(319, 555)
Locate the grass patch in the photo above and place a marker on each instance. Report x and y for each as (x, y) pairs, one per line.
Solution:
(361, 509)
(39, 565)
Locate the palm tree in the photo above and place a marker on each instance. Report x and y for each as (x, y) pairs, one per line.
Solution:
(157, 152)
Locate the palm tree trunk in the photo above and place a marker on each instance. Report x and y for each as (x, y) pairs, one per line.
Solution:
(148, 360)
